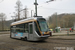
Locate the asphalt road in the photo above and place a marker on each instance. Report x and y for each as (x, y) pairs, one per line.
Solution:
(54, 42)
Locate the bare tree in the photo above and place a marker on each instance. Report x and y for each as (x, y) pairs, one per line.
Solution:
(2, 19)
(18, 8)
(14, 17)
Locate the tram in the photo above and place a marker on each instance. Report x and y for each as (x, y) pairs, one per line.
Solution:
(31, 29)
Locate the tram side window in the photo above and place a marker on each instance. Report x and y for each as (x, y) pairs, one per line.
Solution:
(20, 28)
(26, 28)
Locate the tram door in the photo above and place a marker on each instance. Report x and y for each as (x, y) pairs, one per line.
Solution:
(30, 36)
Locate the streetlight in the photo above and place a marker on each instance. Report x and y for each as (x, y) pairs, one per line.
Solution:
(37, 4)
(31, 13)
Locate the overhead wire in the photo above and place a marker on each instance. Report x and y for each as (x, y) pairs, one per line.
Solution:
(53, 8)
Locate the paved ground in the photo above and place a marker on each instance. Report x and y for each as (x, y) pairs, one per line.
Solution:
(55, 42)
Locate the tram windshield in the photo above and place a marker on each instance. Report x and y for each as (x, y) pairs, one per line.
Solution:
(43, 26)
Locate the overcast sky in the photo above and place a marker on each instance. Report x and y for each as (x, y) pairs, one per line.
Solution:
(44, 9)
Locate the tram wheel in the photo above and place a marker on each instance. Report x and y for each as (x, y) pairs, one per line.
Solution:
(25, 39)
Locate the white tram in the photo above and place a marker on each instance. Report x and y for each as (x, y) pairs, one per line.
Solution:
(32, 29)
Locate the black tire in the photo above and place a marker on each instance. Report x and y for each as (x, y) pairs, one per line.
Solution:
(25, 39)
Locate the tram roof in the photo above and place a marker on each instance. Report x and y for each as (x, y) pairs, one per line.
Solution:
(21, 21)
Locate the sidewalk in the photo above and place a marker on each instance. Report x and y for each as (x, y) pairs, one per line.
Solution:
(5, 32)
(63, 33)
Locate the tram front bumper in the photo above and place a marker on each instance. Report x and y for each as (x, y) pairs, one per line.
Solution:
(43, 37)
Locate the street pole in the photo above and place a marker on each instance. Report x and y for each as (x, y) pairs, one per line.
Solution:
(31, 13)
(36, 7)
(18, 14)
(56, 20)
(25, 12)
